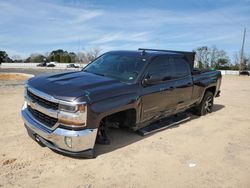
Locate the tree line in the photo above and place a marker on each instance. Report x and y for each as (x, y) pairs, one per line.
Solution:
(206, 57)
(59, 56)
(212, 57)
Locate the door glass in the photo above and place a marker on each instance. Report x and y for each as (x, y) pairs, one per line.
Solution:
(181, 68)
(161, 66)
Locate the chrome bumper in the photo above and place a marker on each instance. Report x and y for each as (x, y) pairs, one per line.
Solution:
(80, 141)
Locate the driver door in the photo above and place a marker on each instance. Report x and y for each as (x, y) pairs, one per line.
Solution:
(158, 98)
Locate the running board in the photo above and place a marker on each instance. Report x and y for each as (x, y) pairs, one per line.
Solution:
(164, 124)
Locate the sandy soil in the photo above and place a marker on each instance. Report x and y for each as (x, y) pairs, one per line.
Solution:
(211, 151)
(13, 77)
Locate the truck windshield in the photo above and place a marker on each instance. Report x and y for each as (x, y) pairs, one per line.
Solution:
(123, 67)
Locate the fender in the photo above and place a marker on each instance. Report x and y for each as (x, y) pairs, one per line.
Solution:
(97, 111)
(208, 83)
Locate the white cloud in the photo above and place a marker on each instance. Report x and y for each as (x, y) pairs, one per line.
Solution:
(43, 25)
(111, 37)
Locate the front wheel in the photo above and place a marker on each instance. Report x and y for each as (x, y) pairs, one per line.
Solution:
(206, 105)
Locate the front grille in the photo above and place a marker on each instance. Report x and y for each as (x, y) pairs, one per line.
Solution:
(43, 102)
(43, 118)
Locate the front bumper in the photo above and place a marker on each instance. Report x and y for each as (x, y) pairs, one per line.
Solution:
(81, 142)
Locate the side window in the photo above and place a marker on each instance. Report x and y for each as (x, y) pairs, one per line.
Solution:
(181, 68)
(162, 66)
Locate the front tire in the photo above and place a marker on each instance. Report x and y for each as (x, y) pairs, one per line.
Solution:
(206, 105)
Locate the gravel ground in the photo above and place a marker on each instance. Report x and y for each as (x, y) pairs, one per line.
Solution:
(210, 151)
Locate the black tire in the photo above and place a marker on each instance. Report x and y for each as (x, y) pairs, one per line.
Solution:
(206, 105)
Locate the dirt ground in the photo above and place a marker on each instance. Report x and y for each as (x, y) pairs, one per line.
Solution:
(210, 151)
(12, 77)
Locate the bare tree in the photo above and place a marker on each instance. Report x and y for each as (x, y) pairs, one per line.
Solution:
(202, 56)
(96, 52)
(89, 55)
(215, 55)
(81, 56)
(211, 57)
(236, 58)
(248, 63)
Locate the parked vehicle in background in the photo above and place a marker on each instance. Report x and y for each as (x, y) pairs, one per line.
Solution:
(44, 64)
(51, 65)
(72, 65)
(70, 112)
(244, 73)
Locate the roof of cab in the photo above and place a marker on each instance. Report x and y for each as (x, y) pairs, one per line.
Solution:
(150, 54)
(146, 54)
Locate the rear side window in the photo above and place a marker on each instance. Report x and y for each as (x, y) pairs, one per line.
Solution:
(181, 68)
(161, 66)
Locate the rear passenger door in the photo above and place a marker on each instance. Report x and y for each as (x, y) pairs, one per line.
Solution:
(158, 99)
(183, 83)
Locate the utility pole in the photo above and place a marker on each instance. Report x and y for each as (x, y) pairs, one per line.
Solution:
(242, 63)
(78, 50)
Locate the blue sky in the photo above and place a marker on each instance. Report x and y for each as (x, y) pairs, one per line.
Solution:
(32, 26)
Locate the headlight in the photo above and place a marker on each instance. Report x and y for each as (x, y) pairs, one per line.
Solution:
(72, 108)
(72, 116)
(67, 108)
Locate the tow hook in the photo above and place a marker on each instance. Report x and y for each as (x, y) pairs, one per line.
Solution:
(37, 139)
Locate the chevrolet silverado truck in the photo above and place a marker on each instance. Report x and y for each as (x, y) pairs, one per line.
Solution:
(70, 112)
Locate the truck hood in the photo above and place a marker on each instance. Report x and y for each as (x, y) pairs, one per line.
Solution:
(80, 86)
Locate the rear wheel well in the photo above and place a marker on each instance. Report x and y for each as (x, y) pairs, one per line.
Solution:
(125, 118)
(211, 89)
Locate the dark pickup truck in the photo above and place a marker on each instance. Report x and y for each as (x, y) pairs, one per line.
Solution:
(70, 112)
